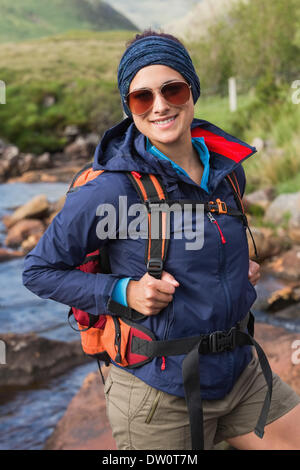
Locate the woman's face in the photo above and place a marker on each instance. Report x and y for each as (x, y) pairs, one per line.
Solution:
(155, 123)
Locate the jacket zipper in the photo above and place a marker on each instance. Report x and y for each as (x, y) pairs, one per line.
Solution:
(222, 262)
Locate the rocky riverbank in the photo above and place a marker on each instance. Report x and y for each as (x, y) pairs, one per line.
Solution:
(16, 166)
(31, 359)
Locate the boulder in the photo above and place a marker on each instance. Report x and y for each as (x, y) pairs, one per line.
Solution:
(26, 163)
(77, 149)
(30, 242)
(43, 161)
(37, 207)
(282, 208)
(258, 201)
(31, 359)
(6, 254)
(21, 230)
(287, 265)
(84, 425)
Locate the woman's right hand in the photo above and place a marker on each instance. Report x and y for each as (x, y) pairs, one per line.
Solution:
(150, 295)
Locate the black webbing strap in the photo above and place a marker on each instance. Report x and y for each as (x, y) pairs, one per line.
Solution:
(122, 311)
(193, 347)
(191, 382)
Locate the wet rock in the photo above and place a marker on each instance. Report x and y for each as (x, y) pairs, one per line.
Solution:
(85, 425)
(22, 230)
(289, 313)
(77, 149)
(7, 254)
(283, 297)
(37, 207)
(31, 359)
(282, 208)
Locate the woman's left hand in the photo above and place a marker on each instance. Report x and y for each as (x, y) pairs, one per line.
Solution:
(254, 272)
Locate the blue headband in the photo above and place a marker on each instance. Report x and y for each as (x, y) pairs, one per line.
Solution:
(153, 50)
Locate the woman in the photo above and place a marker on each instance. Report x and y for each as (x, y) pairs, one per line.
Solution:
(203, 291)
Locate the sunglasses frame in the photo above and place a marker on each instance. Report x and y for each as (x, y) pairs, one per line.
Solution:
(150, 89)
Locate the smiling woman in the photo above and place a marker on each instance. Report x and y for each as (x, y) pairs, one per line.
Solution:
(184, 373)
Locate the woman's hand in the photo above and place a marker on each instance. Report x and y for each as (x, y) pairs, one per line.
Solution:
(150, 295)
(254, 272)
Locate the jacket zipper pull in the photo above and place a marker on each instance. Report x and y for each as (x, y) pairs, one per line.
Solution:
(163, 365)
(213, 221)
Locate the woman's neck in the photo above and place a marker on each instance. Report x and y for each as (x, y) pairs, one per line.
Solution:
(182, 153)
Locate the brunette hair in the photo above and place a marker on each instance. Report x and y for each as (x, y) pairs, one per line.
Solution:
(149, 32)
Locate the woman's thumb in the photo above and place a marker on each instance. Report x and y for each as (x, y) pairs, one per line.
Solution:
(169, 278)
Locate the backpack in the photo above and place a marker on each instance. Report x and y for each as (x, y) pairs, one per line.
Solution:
(119, 337)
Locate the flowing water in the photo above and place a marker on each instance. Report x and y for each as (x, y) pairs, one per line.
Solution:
(28, 417)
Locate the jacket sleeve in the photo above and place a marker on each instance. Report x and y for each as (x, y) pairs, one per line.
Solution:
(49, 269)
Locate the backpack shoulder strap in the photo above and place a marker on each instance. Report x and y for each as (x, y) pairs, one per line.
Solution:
(152, 193)
(83, 176)
(233, 181)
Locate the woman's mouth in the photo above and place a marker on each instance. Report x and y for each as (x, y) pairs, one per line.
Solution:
(164, 123)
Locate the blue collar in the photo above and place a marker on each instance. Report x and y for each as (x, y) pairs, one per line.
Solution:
(200, 146)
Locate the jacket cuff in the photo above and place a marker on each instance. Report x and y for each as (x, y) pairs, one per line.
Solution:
(120, 290)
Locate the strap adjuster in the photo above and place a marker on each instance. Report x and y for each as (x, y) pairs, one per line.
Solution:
(219, 206)
(155, 267)
(220, 341)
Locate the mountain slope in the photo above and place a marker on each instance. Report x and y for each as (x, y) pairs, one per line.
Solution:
(21, 20)
(154, 13)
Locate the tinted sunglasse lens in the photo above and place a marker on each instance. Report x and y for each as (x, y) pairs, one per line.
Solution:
(140, 101)
(177, 93)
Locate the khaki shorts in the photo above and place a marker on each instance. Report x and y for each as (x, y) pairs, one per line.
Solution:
(144, 418)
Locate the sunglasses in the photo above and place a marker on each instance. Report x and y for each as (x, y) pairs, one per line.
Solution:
(140, 101)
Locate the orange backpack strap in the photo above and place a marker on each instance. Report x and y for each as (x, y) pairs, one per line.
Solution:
(238, 199)
(153, 194)
(85, 175)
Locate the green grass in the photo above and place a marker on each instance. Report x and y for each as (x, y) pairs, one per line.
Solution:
(21, 20)
(78, 69)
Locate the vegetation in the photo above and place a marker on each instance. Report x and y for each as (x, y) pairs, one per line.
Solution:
(77, 71)
(70, 78)
(21, 20)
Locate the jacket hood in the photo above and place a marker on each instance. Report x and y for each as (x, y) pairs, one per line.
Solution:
(123, 148)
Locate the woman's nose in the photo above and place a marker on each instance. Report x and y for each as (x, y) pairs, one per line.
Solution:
(159, 103)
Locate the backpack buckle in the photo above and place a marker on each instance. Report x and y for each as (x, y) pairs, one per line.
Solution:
(155, 267)
(220, 341)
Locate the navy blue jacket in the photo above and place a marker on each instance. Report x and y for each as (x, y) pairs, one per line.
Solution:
(214, 292)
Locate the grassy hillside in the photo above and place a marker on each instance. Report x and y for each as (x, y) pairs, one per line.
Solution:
(21, 19)
(78, 70)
